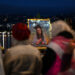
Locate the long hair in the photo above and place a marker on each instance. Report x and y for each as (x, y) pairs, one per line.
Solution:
(39, 36)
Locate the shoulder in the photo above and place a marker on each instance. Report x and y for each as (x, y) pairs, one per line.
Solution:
(24, 49)
(33, 49)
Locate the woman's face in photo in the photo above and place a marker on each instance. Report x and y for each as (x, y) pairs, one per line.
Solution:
(38, 30)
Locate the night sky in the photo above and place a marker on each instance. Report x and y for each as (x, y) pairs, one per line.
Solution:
(33, 7)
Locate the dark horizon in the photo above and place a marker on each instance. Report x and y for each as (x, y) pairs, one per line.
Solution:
(45, 8)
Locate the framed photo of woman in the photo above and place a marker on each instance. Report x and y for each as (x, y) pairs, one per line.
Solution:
(40, 31)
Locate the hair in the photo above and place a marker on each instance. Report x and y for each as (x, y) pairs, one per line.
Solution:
(66, 34)
(20, 32)
(39, 36)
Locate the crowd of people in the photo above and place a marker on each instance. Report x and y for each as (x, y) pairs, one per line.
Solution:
(25, 59)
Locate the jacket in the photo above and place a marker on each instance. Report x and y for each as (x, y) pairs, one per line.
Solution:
(22, 60)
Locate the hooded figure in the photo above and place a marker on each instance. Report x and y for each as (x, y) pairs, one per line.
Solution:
(56, 48)
(22, 58)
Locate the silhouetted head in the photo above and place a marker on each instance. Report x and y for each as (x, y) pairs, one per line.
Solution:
(20, 32)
